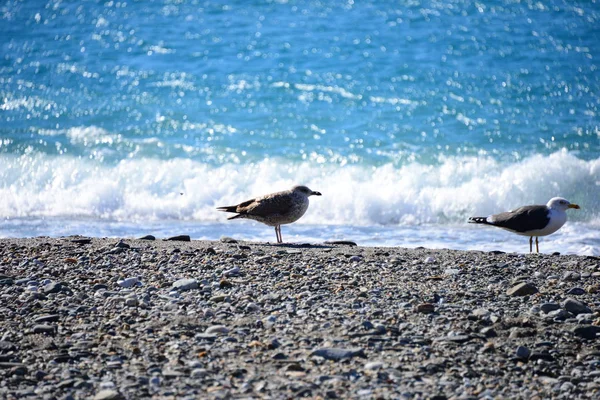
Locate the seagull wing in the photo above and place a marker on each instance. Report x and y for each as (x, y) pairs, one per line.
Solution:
(523, 219)
(277, 204)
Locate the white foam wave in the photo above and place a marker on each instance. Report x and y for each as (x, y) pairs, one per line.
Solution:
(36, 185)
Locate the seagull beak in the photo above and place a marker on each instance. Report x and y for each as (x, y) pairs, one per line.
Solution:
(316, 193)
(575, 206)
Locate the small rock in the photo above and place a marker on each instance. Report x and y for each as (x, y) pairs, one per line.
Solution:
(108, 394)
(122, 245)
(47, 318)
(587, 331)
(341, 242)
(558, 315)
(374, 365)
(489, 332)
(224, 283)
(548, 307)
(131, 301)
(522, 352)
(235, 271)
(81, 241)
(576, 291)
(179, 238)
(571, 276)
(199, 373)
(52, 287)
(338, 354)
(227, 239)
(129, 282)
(222, 329)
(425, 308)
(522, 289)
(219, 298)
(147, 237)
(42, 328)
(185, 284)
(454, 338)
(593, 288)
(576, 307)
(585, 319)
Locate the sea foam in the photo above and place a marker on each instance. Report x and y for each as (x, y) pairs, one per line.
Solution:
(455, 188)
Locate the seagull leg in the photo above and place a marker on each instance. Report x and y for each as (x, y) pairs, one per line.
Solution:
(278, 233)
(280, 237)
(530, 244)
(537, 247)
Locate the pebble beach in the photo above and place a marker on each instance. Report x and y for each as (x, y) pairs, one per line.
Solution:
(89, 318)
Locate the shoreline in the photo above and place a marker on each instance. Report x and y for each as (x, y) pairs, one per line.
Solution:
(207, 319)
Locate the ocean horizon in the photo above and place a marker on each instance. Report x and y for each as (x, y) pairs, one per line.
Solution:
(121, 119)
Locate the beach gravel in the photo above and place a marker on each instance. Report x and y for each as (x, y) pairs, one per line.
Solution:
(86, 318)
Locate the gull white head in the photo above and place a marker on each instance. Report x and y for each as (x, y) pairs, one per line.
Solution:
(305, 191)
(560, 204)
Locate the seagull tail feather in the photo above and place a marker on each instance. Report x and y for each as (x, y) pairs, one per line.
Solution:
(228, 209)
(479, 220)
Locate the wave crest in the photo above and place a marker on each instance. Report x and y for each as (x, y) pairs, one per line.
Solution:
(37, 185)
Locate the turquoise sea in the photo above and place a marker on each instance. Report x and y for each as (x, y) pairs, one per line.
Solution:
(126, 118)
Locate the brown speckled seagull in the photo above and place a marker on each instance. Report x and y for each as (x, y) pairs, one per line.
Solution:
(274, 209)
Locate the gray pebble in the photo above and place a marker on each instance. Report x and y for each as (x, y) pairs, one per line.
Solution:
(221, 329)
(374, 365)
(42, 328)
(47, 318)
(576, 307)
(108, 394)
(522, 289)
(571, 276)
(185, 284)
(129, 282)
(547, 307)
(338, 354)
(52, 287)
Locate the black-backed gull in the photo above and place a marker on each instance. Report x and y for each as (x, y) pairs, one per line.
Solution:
(532, 221)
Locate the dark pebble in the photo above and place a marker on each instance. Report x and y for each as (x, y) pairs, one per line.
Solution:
(522, 352)
(576, 291)
(576, 307)
(587, 332)
(179, 238)
(147, 237)
(6, 346)
(341, 242)
(82, 241)
(548, 307)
